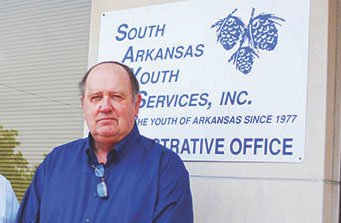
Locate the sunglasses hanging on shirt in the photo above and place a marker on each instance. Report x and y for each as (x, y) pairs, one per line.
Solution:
(101, 187)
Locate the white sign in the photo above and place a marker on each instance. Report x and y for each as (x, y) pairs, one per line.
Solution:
(221, 80)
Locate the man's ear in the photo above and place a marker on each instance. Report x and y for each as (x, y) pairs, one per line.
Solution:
(137, 103)
(81, 99)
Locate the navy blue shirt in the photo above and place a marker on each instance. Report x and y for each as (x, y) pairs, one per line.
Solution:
(146, 183)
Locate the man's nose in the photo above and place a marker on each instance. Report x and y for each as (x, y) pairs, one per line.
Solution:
(105, 105)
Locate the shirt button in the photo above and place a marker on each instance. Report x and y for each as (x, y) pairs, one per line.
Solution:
(95, 195)
(87, 220)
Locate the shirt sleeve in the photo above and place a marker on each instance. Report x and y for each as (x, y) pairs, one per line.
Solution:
(30, 205)
(12, 203)
(174, 202)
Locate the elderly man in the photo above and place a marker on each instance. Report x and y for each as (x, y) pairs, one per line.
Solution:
(115, 174)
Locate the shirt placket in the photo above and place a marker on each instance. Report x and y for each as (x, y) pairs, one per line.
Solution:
(93, 202)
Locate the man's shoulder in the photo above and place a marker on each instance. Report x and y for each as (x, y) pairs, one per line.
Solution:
(76, 142)
(167, 156)
(61, 154)
(153, 146)
(72, 146)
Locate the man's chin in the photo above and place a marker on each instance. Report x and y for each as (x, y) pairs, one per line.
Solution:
(107, 132)
(106, 136)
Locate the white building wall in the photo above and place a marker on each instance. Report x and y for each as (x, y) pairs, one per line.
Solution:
(306, 192)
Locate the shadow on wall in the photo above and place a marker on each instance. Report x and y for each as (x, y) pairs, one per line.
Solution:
(14, 166)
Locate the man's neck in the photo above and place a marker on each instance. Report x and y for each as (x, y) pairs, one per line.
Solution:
(101, 151)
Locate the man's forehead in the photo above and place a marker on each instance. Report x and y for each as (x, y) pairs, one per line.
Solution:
(92, 91)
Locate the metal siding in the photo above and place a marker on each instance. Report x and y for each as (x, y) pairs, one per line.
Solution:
(43, 54)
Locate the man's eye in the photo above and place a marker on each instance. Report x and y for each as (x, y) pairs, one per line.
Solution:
(117, 97)
(95, 98)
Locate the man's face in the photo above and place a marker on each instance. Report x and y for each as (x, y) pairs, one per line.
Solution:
(108, 104)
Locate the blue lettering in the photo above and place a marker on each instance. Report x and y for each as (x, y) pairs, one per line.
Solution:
(233, 97)
(247, 144)
(174, 100)
(255, 146)
(199, 49)
(148, 55)
(208, 146)
(219, 144)
(124, 33)
(287, 144)
(271, 146)
(129, 55)
(159, 30)
(159, 55)
(139, 32)
(139, 54)
(193, 100)
(203, 99)
(178, 52)
(234, 146)
(185, 147)
(174, 145)
(132, 34)
(189, 52)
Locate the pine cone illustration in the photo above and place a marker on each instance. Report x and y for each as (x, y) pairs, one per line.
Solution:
(243, 59)
(229, 31)
(264, 33)
(261, 33)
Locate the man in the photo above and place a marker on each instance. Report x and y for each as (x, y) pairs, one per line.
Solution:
(114, 175)
(8, 201)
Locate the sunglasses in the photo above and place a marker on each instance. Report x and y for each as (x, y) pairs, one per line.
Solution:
(101, 187)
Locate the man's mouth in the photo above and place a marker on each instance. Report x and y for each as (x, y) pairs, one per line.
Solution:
(106, 119)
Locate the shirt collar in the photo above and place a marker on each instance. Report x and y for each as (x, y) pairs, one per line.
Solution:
(116, 154)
